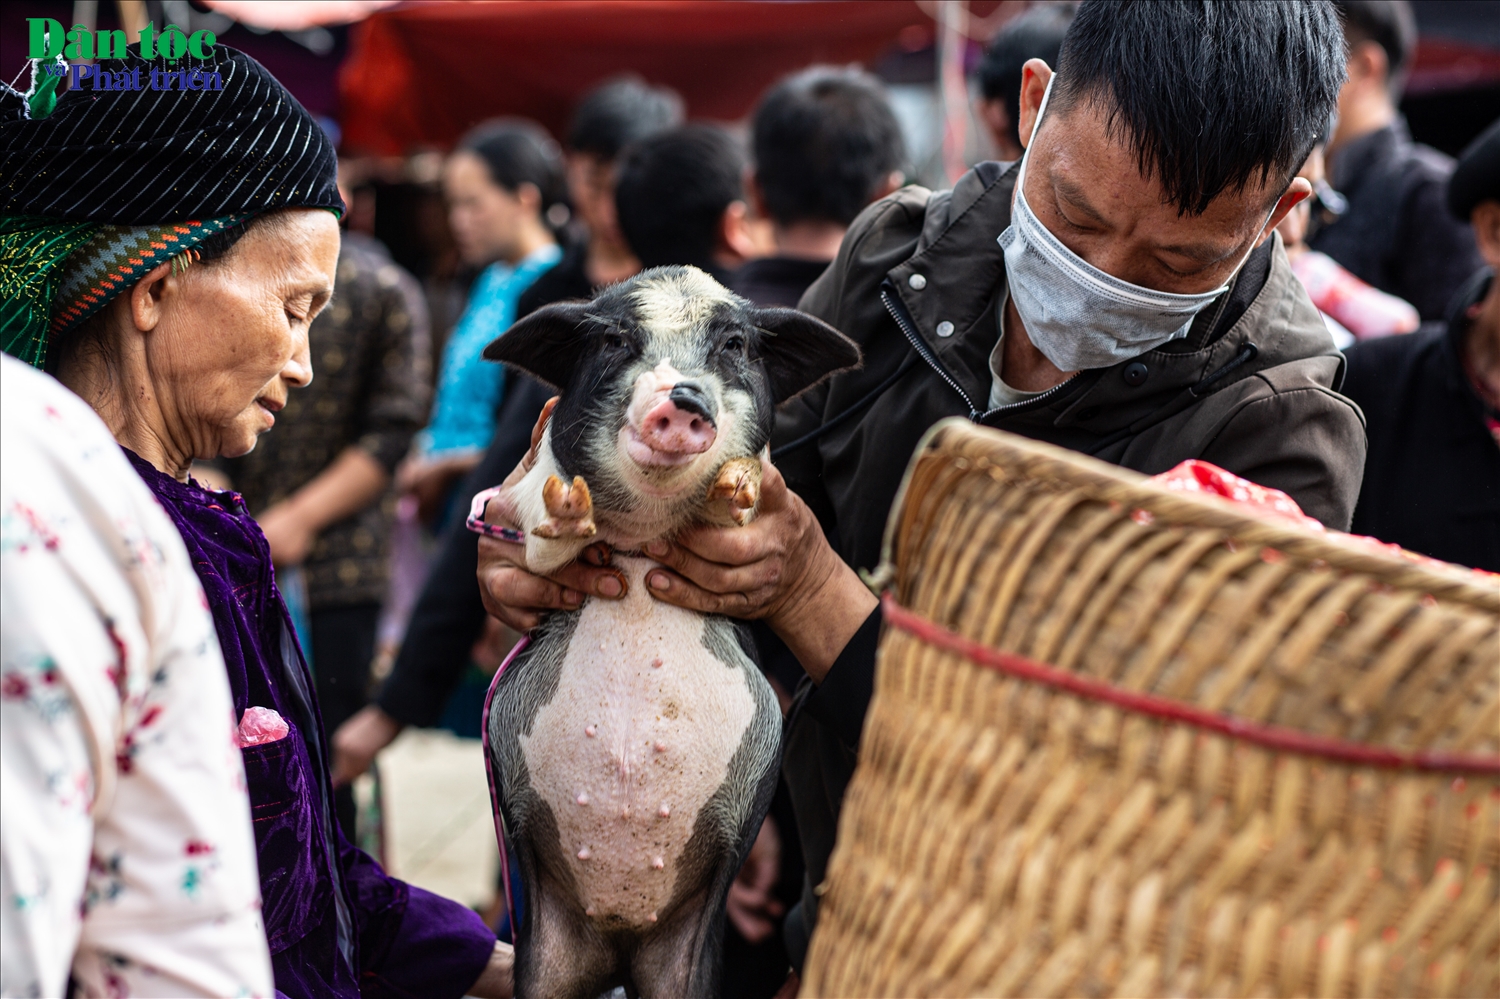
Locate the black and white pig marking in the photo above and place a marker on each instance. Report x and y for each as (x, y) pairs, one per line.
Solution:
(635, 744)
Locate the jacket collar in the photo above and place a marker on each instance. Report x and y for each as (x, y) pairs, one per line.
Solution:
(957, 271)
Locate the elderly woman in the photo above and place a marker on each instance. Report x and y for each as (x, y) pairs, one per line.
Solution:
(165, 252)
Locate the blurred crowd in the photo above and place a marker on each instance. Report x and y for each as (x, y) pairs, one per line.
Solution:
(362, 489)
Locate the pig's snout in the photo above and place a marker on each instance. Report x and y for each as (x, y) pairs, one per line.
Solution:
(682, 423)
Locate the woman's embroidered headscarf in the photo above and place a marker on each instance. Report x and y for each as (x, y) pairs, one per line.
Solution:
(97, 187)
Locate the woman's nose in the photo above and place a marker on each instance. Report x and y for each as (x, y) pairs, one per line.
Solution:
(298, 369)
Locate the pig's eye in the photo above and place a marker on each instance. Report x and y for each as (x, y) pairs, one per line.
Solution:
(734, 344)
(614, 341)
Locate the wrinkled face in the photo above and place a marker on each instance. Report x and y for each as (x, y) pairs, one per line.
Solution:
(669, 387)
(485, 218)
(232, 337)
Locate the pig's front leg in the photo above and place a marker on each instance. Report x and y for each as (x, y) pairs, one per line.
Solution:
(734, 492)
(557, 515)
(570, 510)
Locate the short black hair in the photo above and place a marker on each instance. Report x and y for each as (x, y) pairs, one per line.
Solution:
(1035, 34)
(621, 111)
(824, 140)
(1389, 24)
(672, 190)
(518, 151)
(1208, 94)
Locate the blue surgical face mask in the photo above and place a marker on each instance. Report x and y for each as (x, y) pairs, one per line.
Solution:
(1078, 316)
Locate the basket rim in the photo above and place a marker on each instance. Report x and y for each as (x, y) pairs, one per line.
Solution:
(956, 438)
(1274, 737)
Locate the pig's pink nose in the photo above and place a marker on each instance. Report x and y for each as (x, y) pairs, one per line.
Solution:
(668, 427)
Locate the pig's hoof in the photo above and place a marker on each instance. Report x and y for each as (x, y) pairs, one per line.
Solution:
(738, 486)
(570, 510)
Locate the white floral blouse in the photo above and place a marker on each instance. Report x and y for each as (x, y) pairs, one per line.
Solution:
(128, 857)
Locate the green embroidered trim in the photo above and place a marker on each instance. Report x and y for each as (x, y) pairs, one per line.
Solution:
(32, 253)
(55, 275)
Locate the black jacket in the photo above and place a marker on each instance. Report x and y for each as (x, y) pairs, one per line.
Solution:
(1432, 477)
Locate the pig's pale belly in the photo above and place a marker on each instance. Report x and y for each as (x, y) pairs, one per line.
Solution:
(628, 752)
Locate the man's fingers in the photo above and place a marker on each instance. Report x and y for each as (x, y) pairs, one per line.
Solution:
(668, 586)
(537, 430)
(512, 588)
(728, 545)
(607, 583)
(720, 577)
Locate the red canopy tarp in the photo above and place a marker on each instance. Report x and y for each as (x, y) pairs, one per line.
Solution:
(420, 75)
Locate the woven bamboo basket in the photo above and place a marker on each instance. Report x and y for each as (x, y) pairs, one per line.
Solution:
(1128, 741)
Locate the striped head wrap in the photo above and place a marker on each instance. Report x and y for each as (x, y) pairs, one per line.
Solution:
(101, 186)
(119, 255)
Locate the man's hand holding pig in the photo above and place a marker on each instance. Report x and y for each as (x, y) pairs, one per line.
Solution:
(779, 567)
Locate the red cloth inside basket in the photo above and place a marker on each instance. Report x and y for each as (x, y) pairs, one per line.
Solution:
(1194, 476)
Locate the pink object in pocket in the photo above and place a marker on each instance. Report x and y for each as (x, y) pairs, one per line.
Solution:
(259, 726)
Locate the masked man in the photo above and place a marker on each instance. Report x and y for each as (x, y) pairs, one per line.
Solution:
(1119, 291)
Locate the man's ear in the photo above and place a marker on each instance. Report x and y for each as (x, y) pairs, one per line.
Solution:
(1035, 75)
(736, 242)
(800, 351)
(546, 344)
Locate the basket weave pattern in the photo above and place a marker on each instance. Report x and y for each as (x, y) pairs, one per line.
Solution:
(1005, 837)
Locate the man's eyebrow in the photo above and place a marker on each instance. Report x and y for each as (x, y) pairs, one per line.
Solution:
(1206, 253)
(1075, 197)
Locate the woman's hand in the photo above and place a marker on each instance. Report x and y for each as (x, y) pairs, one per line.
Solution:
(518, 597)
(497, 980)
(752, 905)
(289, 534)
(779, 567)
(350, 483)
(356, 742)
(429, 479)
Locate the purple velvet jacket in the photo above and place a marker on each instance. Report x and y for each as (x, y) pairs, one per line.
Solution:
(338, 926)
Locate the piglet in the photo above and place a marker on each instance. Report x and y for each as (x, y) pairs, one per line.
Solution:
(635, 744)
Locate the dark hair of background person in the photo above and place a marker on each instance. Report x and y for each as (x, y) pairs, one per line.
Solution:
(519, 152)
(672, 190)
(1035, 34)
(619, 112)
(824, 141)
(1203, 116)
(1389, 24)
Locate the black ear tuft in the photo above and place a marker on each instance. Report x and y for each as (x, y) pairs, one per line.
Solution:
(800, 350)
(546, 344)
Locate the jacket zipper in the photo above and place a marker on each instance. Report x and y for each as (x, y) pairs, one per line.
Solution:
(898, 312)
(1035, 401)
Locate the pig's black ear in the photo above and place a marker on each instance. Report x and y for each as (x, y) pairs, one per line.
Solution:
(547, 344)
(800, 350)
